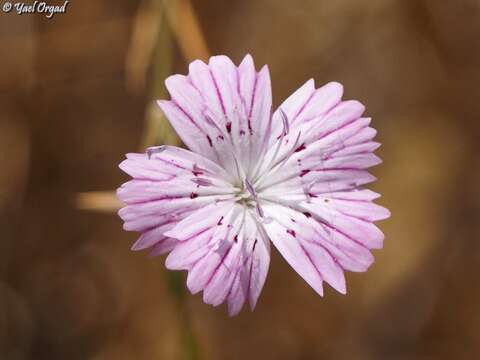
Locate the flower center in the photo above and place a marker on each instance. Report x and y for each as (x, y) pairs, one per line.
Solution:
(248, 197)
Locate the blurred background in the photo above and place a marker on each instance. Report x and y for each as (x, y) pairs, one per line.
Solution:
(76, 94)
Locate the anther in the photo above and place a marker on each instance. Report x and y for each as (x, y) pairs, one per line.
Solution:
(250, 189)
(253, 193)
(201, 181)
(155, 150)
(259, 210)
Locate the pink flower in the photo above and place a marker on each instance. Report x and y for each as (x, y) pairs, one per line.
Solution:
(293, 178)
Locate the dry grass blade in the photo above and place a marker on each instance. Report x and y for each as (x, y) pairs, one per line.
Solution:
(100, 201)
(187, 31)
(150, 46)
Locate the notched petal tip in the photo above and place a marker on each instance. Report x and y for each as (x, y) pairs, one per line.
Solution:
(355, 106)
(335, 86)
(220, 59)
(172, 262)
(384, 214)
(247, 61)
(264, 71)
(340, 285)
(138, 245)
(123, 165)
(174, 80)
(318, 289)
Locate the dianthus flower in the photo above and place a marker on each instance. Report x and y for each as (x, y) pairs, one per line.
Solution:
(292, 178)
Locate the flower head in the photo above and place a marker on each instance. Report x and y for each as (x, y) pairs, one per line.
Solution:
(292, 178)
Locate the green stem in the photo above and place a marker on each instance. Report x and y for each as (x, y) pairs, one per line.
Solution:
(189, 345)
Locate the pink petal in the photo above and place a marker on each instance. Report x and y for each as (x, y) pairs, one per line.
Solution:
(364, 210)
(162, 193)
(187, 253)
(163, 247)
(152, 237)
(226, 257)
(341, 115)
(188, 128)
(319, 249)
(321, 102)
(289, 243)
(308, 103)
(221, 111)
(327, 181)
(359, 230)
(201, 220)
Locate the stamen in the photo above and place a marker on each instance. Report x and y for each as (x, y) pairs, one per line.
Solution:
(259, 210)
(306, 190)
(285, 131)
(250, 189)
(294, 147)
(155, 150)
(253, 193)
(287, 156)
(201, 181)
(209, 120)
(237, 167)
(286, 125)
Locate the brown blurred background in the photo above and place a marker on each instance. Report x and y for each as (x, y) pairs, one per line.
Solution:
(75, 95)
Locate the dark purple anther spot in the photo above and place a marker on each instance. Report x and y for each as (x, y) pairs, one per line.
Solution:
(229, 127)
(300, 148)
(307, 214)
(292, 232)
(220, 221)
(193, 195)
(196, 170)
(220, 137)
(304, 172)
(209, 140)
(235, 238)
(242, 132)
